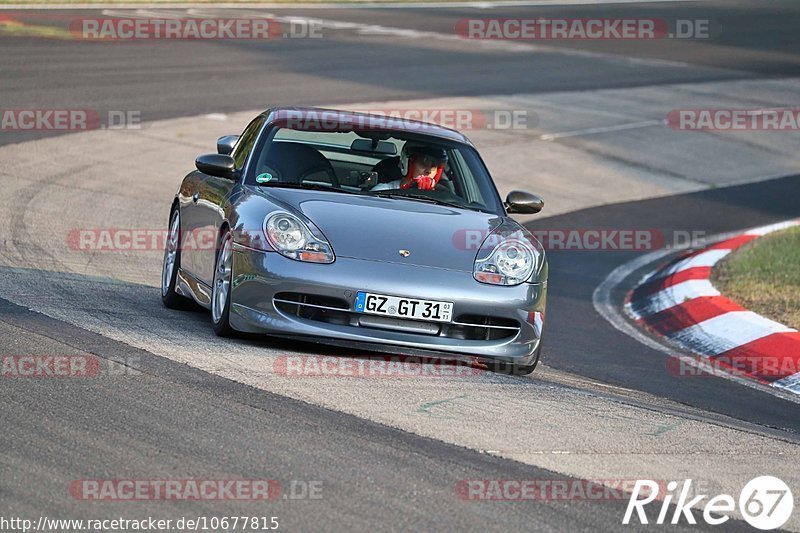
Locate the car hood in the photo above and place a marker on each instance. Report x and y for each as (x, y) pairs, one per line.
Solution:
(378, 229)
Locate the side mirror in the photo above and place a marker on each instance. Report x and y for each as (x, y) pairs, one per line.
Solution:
(222, 166)
(523, 203)
(225, 144)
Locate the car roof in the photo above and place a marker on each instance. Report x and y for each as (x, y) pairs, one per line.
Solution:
(378, 122)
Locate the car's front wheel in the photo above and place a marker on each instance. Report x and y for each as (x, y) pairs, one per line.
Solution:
(172, 262)
(221, 290)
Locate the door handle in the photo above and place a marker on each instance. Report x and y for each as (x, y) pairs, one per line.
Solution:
(196, 197)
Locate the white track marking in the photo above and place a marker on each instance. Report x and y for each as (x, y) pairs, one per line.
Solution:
(773, 227)
(153, 13)
(704, 259)
(605, 129)
(407, 33)
(606, 307)
(727, 331)
(674, 295)
(509, 46)
(790, 383)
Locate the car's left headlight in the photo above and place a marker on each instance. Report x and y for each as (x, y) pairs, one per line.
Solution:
(293, 238)
(510, 262)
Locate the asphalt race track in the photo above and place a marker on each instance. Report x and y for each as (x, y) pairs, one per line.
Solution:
(241, 75)
(387, 454)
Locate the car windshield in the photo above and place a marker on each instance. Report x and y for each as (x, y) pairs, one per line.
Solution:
(390, 164)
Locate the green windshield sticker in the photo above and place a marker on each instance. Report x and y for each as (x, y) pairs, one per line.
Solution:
(263, 178)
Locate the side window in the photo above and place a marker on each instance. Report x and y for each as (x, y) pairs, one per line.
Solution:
(246, 142)
(464, 180)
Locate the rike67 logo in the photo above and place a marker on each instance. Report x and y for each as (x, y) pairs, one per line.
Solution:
(765, 503)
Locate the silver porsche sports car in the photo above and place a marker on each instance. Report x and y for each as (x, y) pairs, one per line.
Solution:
(362, 231)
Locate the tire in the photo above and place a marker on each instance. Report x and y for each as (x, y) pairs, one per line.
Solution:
(221, 287)
(171, 264)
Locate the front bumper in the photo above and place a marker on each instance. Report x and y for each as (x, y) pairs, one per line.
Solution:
(259, 276)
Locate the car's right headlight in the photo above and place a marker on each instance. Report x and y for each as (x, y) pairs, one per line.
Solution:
(293, 238)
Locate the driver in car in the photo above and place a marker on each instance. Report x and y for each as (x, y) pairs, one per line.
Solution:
(419, 166)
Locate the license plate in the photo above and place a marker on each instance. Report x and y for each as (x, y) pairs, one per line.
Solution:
(412, 308)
